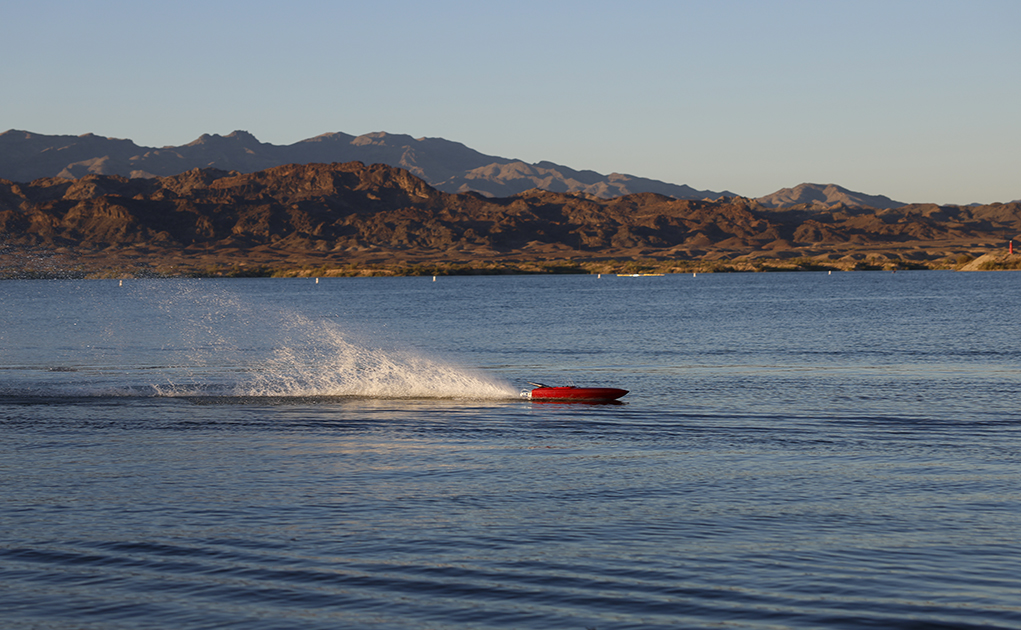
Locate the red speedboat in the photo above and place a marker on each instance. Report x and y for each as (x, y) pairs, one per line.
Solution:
(571, 393)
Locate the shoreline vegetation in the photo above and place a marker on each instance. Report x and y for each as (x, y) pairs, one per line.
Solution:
(49, 266)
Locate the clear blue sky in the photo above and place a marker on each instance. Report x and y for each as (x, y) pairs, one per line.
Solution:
(916, 100)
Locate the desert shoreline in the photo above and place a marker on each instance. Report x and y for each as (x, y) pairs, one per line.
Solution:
(68, 265)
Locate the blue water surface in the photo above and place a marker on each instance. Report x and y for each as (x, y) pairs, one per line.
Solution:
(799, 450)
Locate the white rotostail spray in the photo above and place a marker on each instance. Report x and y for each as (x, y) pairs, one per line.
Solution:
(321, 361)
(257, 350)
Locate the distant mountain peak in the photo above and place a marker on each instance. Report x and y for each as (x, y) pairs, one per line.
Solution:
(238, 136)
(381, 137)
(242, 135)
(825, 195)
(447, 165)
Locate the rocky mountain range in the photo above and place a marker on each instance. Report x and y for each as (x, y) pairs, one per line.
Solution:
(825, 196)
(445, 165)
(315, 214)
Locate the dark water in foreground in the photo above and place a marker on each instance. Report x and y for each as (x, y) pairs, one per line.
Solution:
(797, 451)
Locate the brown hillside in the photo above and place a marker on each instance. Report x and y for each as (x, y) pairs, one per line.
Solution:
(352, 214)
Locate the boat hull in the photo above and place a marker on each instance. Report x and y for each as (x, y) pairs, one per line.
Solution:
(580, 394)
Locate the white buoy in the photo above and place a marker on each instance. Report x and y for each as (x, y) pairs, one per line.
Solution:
(692, 274)
(829, 273)
(434, 278)
(599, 276)
(121, 283)
(317, 280)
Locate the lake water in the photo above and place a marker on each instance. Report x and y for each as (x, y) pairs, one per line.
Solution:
(796, 451)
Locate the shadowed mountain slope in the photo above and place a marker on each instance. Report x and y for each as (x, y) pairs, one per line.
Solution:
(351, 212)
(448, 166)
